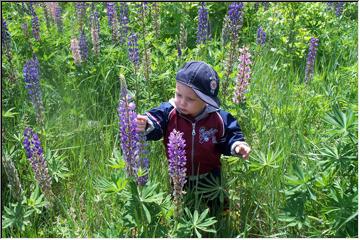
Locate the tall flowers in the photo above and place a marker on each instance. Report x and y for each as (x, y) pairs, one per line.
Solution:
(133, 50)
(31, 73)
(261, 36)
(132, 142)
(75, 49)
(124, 21)
(177, 163)
(83, 46)
(309, 71)
(232, 24)
(243, 76)
(34, 153)
(203, 33)
(112, 21)
(95, 32)
(35, 23)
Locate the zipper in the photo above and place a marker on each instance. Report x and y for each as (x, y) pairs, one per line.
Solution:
(192, 147)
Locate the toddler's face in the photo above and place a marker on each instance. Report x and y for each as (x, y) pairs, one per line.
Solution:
(186, 100)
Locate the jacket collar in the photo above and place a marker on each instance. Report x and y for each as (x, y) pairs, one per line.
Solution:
(208, 109)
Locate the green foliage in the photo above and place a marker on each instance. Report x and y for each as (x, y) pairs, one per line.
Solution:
(195, 224)
(301, 179)
(19, 215)
(57, 166)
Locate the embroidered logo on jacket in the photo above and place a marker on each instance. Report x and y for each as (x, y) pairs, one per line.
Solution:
(206, 135)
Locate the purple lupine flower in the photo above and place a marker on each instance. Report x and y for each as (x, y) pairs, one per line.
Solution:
(235, 16)
(58, 18)
(35, 23)
(203, 33)
(35, 155)
(339, 8)
(133, 49)
(243, 76)
(110, 7)
(261, 36)
(124, 21)
(177, 163)
(131, 142)
(46, 14)
(31, 73)
(142, 7)
(113, 21)
(80, 12)
(5, 35)
(309, 71)
(95, 32)
(55, 11)
(75, 49)
(83, 46)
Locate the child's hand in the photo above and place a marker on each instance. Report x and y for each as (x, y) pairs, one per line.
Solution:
(243, 150)
(141, 121)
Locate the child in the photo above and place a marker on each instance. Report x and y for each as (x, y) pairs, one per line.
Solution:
(208, 131)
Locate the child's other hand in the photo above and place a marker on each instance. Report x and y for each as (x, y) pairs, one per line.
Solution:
(243, 150)
(141, 121)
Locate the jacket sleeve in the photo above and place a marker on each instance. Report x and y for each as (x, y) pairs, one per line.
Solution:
(232, 136)
(157, 121)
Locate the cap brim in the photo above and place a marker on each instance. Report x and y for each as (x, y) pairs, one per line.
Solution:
(212, 101)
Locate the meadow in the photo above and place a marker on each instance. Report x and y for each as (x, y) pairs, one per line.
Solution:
(65, 64)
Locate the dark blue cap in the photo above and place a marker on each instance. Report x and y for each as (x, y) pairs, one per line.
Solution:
(203, 79)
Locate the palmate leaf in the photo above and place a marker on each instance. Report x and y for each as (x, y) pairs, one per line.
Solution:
(115, 185)
(17, 216)
(213, 188)
(36, 200)
(299, 182)
(343, 123)
(195, 224)
(57, 165)
(261, 161)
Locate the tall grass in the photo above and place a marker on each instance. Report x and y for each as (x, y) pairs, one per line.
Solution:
(301, 178)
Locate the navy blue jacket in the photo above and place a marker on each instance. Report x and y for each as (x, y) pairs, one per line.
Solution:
(212, 133)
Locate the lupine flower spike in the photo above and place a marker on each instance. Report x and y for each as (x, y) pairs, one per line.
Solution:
(112, 21)
(309, 71)
(80, 12)
(35, 23)
(177, 165)
(131, 141)
(233, 23)
(243, 76)
(83, 46)
(133, 50)
(203, 33)
(75, 49)
(124, 21)
(95, 32)
(261, 36)
(31, 73)
(34, 153)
